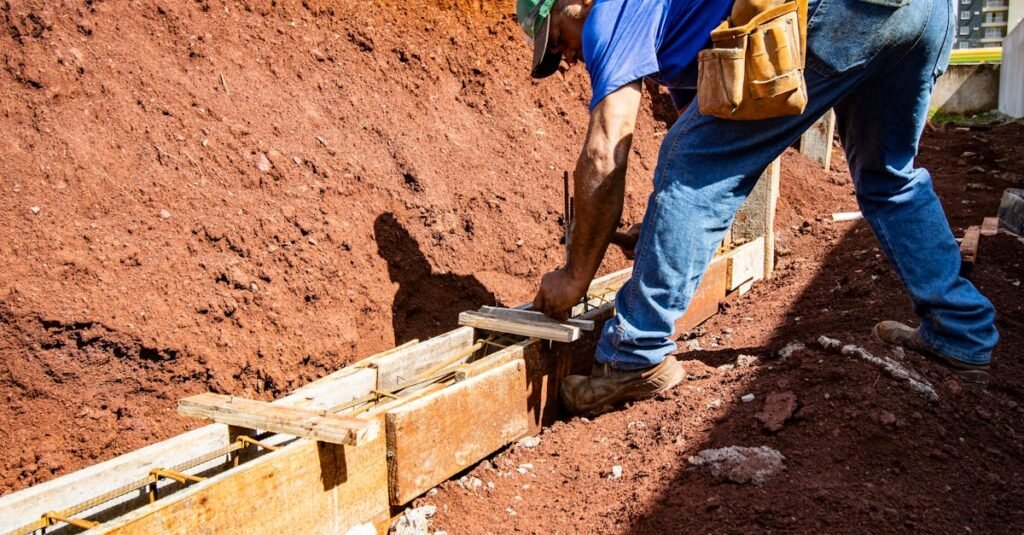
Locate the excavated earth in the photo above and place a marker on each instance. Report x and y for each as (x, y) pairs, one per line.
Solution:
(242, 196)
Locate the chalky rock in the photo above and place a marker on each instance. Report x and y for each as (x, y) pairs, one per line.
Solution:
(742, 465)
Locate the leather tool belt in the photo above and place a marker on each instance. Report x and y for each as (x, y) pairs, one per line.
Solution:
(755, 69)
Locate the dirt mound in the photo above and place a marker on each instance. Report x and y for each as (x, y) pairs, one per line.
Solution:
(243, 196)
(863, 447)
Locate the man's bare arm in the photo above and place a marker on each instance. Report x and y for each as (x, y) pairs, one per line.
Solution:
(600, 182)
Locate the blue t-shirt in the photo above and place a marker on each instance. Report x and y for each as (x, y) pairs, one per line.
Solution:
(626, 40)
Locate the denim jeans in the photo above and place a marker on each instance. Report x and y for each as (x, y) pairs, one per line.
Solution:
(875, 62)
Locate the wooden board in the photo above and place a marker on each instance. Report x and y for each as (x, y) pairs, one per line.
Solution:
(969, 245)
(756, 216)
(548, 330)
(745, 263)
(535, 316)
(990, 226)
(394, 369)
(710, 292)
(439, 435)
(253, 414)
(26, 506)
(816, 142)
(305, 487)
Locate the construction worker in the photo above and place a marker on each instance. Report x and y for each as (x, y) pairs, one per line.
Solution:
(874, 61)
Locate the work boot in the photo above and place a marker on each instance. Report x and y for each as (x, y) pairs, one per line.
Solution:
(897, 334)
(607, 387)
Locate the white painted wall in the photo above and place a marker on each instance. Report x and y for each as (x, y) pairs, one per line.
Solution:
(1011, 75)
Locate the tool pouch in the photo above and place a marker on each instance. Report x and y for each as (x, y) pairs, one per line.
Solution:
(756, 70)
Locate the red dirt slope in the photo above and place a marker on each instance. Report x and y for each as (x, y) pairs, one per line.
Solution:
(244, 195)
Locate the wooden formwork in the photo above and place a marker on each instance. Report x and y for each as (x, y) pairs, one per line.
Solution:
(489, 391)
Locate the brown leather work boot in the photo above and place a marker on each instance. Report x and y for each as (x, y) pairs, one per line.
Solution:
(606, 387)
(897, 334)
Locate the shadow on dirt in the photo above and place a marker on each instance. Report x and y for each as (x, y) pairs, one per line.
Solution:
(863, 450)
(427, 303)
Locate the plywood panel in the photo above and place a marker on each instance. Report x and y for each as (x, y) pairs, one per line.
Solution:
(437, 436)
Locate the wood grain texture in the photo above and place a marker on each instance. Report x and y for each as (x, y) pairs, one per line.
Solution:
(816, 142)
(396, 368)
(306, 487)
(745, 263)
(547, 330)
(439, 435)
(990, 226)
(535, 316)
(252, 414)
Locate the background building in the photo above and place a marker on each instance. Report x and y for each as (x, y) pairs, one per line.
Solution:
(984, 23)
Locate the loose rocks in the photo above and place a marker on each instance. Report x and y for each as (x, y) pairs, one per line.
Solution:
(741, 465)
(778, 407)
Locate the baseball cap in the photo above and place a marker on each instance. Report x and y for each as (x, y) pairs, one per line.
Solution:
(534, 17)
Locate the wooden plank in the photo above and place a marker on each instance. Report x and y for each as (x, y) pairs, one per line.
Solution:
(305, 487)
(745, 263)
(552, 330)
(756, 217)
(437, 436)
(252, 414)
(395, 369)
(990, 226)
(816, 142)
(25, 506)
(969, 248)
(710, 292)
(534, 315)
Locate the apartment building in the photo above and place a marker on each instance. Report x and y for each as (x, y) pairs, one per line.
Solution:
(984, 23)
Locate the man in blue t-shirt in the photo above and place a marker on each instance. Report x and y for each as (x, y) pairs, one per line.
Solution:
(873, 61)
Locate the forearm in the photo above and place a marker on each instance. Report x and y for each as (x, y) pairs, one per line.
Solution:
(599, 190)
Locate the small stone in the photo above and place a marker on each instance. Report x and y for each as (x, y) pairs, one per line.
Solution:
(693, 345)
(35, 210)
(887, 418)
(746, 361)
(524, 468)
(714, 404)
(615, 473)
(778, 408)
(298, 161)
(830, 343)
(789, 349)
(263, 163)
(317, 55)
(164, 214)
(529, 442)
(726, 367)
(747, 398)
(312, 241)
(741, 465)
(510, 511)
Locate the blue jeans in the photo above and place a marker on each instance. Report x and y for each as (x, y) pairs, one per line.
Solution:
(875, 62)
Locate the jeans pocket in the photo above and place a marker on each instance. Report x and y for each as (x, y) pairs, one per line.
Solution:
(846, 34)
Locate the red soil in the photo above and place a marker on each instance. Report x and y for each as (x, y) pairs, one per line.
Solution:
(364, 171)
(865, 453)
(244, 196)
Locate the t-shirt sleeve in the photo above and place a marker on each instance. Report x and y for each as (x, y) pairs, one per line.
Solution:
(620, 43)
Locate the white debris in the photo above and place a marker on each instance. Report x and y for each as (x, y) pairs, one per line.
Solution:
(362, 529)
(747, 398)
(529, 442)
(746, 361)
(510, 511)
(164, 214)
(829, 343)
(616, 472)
(414, 521)
(524, 468)
(35, 210)
(470, 482)
(715, 403)
(895, 369)
(741, 465)
(789, 349)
